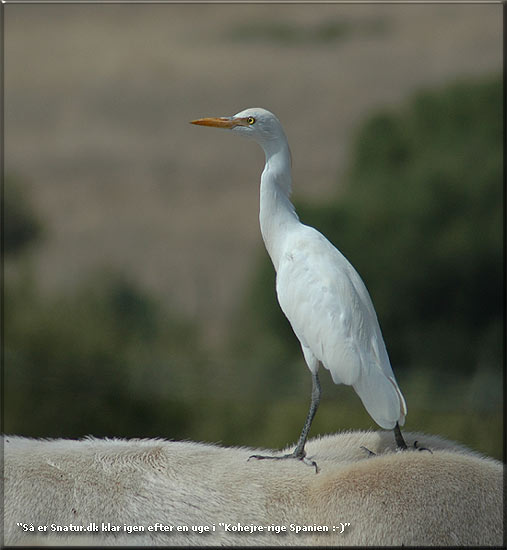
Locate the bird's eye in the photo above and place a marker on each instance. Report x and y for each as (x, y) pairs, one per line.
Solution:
(250, 120)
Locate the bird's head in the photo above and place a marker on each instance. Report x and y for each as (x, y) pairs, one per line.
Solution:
(255, 123)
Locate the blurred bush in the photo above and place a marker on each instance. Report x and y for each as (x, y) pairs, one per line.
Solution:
(426, 188)
(105, 360)
(21, 227)
(421, 220)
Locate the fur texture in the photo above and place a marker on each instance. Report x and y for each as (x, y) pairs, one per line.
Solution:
(451, 497)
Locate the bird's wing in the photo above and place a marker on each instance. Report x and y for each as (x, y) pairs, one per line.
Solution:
(329, 307)
(332, 314)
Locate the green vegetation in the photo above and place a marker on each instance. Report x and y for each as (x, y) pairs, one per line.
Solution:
(102, 361)
(421, 220)
(426, 187)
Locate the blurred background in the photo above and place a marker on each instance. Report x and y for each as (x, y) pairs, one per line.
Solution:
(139, 299)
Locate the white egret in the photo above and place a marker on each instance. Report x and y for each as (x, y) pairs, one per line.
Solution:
(321, 294)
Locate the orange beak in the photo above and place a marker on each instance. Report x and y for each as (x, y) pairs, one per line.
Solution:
(220, 122)
(217, 122)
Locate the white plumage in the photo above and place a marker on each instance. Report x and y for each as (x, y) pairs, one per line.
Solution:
(332, 315)
(321, 294)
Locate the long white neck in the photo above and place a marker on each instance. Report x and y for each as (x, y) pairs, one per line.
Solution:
(277, 214)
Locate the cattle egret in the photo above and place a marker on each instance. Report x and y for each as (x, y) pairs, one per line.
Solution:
(321, 294)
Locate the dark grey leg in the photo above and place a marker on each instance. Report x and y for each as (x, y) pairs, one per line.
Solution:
(400, 442)
(299, 452)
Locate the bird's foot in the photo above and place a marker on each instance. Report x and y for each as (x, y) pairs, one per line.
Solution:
(415, 447)
(297, 455)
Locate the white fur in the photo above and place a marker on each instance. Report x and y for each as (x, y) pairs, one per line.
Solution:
(450, 497)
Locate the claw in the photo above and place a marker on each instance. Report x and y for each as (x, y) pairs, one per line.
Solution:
(370, 453)
(309, 462)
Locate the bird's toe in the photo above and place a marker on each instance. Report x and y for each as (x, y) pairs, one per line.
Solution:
(370, 453)
(417, 447)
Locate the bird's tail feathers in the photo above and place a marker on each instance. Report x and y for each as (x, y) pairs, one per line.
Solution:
(403, 404)
(382, 398)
